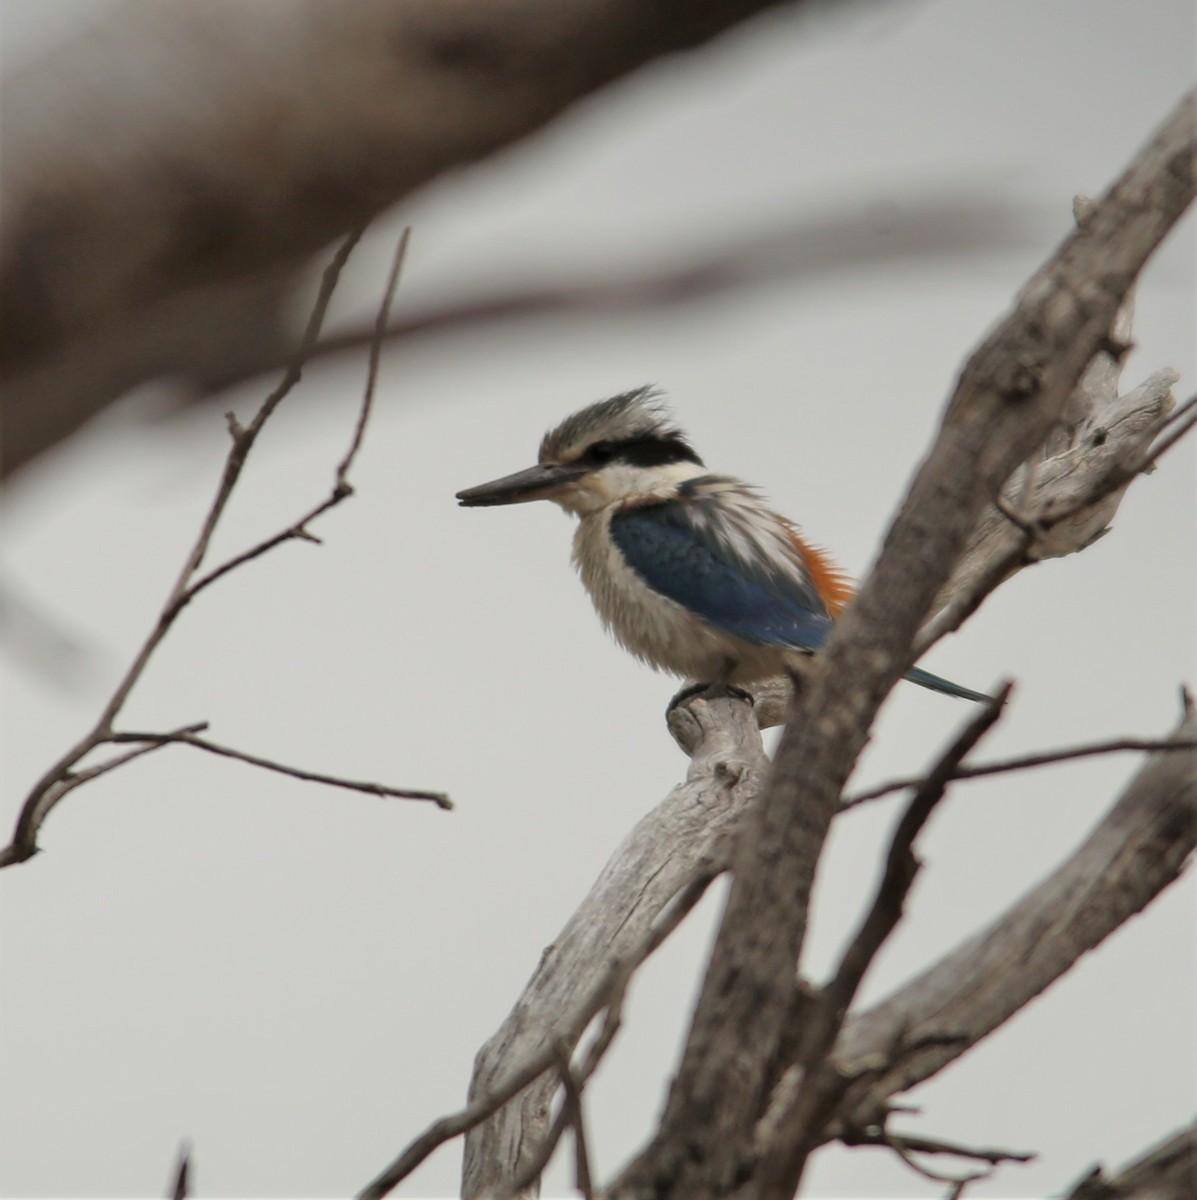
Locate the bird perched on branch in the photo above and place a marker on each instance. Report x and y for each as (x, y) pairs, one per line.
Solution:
(690, 570)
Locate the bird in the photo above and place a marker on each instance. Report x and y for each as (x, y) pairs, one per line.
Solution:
(690, 570)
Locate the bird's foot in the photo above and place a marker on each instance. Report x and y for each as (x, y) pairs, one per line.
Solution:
(709, 691)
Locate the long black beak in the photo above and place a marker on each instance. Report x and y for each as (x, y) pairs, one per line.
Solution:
(536, 483)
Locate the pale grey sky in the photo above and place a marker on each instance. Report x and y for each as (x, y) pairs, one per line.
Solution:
(297, 979)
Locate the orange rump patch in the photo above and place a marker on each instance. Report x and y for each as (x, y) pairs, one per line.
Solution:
(830, 582)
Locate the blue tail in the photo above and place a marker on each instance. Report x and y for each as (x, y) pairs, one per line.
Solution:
(938, 684)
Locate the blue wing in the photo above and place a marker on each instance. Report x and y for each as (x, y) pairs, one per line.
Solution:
(681, 559)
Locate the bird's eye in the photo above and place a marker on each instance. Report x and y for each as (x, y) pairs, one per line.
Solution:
(601, 452)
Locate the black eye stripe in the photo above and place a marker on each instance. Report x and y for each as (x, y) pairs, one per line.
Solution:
(642, 452)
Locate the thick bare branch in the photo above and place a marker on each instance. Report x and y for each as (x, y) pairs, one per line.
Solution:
(682, 837)
(1167, 1171)
(606, 994)
(924, 226)
(153, 213)
(1137, 850)
(1071, 495)
(1011, 393)
(810, 1086)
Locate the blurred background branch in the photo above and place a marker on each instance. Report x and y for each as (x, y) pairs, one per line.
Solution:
(250, 136)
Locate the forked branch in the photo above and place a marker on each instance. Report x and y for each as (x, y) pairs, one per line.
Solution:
(68, 773)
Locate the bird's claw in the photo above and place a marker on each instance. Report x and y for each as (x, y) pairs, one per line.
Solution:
(709, 691)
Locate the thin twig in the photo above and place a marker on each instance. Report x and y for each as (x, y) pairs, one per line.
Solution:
(906, 1146)
(810, 1086)
(989, 1154)
(607, 994)
(57, 783)
(572, 1107)
(534, 1167)
(185, 737)
(153, 741)
(61, 778)
(901, 864)
(342, 488)
(296, 532)
(1177, 425)
(1023, 762)
(376, 341)
(958, 1182)
(243, 438)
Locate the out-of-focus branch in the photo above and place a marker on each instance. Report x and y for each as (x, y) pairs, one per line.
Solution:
(68, 772)
(1168, 1171)
(179, 1189)
(915, 226)
(168, 176)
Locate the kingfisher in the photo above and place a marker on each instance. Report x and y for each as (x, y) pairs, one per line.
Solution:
(691, 571)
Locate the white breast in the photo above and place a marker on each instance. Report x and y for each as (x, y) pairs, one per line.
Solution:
(654, 628)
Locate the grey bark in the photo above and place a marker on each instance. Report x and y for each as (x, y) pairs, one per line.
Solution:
(1010, 394)
(656, 860)
(1134, 853)
(1129, 425)
(1165, 1172)
(687, 823)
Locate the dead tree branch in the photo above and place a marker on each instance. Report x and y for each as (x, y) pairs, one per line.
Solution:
(1021, 762)
(605, 996)
(1137, 850)
(814, 1085)
(684, 837)
(719, 736)
(1010, 395)
(1167, 1171)
(64, 775)
(907, 1148)
(1070, 489)
(188, 737)
(154, 219)
(878, 1136)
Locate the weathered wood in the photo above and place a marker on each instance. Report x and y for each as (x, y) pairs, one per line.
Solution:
(1011, 393)
(657, 859)
(1108, 431)
(1167, 1171)
(578, 954)
(1133, 854)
